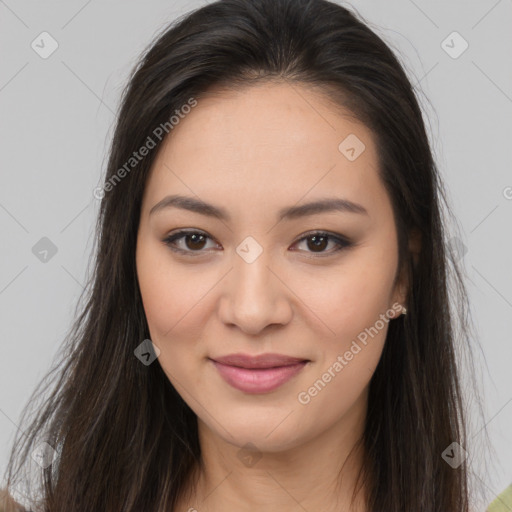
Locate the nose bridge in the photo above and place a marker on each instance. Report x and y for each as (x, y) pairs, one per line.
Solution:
(251, 275)
(255, 296)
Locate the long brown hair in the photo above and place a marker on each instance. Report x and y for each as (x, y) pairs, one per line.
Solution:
(124, 439)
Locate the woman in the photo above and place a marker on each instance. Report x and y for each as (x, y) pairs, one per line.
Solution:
(269, 320)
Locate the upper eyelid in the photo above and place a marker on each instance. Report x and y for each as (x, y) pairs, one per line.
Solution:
(193, 231)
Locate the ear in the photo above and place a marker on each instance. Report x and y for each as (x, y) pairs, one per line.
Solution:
(402, 285)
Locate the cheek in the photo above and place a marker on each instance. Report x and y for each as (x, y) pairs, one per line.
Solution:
(177, 309)
(175, 323)
(171, 296)
(172, 304)
(355, 307)
(351, 297)
(357, 311)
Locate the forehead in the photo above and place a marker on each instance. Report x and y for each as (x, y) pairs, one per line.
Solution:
(265, 144)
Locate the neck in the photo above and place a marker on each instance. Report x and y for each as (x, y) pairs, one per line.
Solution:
(319, 474)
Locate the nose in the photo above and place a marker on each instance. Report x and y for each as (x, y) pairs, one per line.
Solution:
(255, 296)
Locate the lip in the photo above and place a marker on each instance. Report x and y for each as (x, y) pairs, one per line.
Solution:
(258, 374)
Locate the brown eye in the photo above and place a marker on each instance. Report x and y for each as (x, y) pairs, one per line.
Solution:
(317, 242)
(192, 242)
(196, 241)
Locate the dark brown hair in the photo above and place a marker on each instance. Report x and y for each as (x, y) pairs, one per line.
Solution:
(125, 439)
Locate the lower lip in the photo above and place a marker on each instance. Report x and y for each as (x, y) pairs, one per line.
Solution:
(257, 380)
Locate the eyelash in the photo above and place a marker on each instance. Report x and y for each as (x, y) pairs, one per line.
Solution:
(342, 243)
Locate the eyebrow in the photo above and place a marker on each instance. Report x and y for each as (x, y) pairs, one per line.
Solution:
(292, 212)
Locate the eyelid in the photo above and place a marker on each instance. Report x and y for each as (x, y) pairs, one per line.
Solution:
(341, 241)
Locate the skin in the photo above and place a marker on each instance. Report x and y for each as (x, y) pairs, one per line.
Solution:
(254, 152)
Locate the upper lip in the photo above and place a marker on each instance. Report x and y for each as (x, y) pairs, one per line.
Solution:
(259, 361)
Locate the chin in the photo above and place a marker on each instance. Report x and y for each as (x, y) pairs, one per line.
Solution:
(265, 436)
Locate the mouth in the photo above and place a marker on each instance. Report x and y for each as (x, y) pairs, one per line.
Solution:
(258, 374)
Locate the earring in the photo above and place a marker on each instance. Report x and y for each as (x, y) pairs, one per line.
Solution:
(404, 310)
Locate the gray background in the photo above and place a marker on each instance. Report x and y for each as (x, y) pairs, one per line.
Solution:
(56, 120)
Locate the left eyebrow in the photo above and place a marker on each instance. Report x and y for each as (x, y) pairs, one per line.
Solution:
(291, 212)
(321, 206)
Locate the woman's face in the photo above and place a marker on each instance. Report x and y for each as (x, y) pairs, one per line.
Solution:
(253, 278)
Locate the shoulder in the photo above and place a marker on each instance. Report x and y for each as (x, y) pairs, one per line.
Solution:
(503, 502)
(7, 503)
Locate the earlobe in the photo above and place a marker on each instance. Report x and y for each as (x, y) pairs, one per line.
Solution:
(398, 304)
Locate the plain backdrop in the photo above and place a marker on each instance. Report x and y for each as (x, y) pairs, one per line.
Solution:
(57, 115)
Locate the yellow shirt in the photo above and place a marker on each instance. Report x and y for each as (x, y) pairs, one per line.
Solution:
(503, 502)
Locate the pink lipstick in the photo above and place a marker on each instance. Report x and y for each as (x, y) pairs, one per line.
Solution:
(258, 374)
